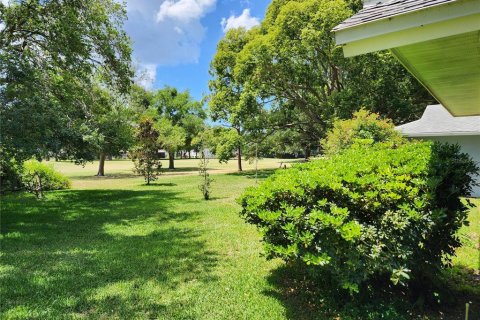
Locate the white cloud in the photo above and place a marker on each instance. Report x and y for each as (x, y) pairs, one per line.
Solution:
(179, 30)
(184, 10)
(167, 32)
(146, 75)
(245, 20)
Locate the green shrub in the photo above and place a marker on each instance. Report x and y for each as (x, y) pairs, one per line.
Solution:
(368, 213)
(363, 126)
(38, 177)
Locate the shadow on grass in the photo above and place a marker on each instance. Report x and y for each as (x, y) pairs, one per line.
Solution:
(464, 284)
(251, 174)
(99, 253)
(159, 184)
(307, 297)
(184, 169)
(115, 176)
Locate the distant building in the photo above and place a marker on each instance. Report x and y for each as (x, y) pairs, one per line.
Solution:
(163, 154)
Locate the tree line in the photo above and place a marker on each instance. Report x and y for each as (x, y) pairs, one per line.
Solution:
(67, 85)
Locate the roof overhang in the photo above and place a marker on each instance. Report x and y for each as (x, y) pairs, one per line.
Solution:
(436, 121)
(431, 23)
(438, 44)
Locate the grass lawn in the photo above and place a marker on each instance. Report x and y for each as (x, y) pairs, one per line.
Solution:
(113, 248)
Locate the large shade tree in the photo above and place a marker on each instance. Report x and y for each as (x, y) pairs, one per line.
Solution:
(292, 62)
(232, 103)
(184, 119)
(111, 121)
(51, 54)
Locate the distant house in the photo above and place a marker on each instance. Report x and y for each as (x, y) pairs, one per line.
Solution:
(439, 125)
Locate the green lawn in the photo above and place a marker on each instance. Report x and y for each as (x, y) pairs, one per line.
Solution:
(113, 248)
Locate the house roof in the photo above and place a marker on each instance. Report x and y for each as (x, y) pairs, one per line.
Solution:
(388, 9)
(437, 121)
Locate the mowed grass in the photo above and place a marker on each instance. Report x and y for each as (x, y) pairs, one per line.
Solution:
(113, 248)
(117, 168)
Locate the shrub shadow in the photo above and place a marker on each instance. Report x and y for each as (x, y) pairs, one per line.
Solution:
(307, 297)
(250, 174)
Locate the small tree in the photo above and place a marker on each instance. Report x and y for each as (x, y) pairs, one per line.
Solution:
(206, 180)
(145, 153)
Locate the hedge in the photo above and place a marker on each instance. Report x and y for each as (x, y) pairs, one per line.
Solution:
(369, 212)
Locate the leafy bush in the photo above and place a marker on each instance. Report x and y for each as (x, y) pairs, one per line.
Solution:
(38, 177)
(363, 126)
(368, 213)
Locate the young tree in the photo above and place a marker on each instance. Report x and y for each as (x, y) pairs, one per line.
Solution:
(205, 185)
(145, 153)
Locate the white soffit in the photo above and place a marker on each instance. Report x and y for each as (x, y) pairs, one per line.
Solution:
(449, 68)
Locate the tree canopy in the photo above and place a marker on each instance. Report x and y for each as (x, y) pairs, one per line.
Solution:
(181, 118)
(291, 69)
(51, 54)
(232, 103)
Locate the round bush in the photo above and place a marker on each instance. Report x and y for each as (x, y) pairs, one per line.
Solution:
(38, 177)
(367, 212)
(364, 125)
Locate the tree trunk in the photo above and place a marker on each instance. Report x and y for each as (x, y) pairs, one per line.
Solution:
(171, 160)
(308, 153)
(101, 165)
(239, 158)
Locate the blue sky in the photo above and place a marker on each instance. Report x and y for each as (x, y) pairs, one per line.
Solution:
(175, 40)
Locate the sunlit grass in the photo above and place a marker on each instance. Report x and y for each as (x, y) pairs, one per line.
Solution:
(125, 168)
(113, 248)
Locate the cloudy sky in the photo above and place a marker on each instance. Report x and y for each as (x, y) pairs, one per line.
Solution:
(175, 40)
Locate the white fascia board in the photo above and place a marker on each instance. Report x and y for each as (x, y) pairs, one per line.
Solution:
(414, 35)
(434, 14)
(433, 22)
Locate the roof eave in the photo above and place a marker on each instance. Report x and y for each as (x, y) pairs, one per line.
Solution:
(416, 26)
